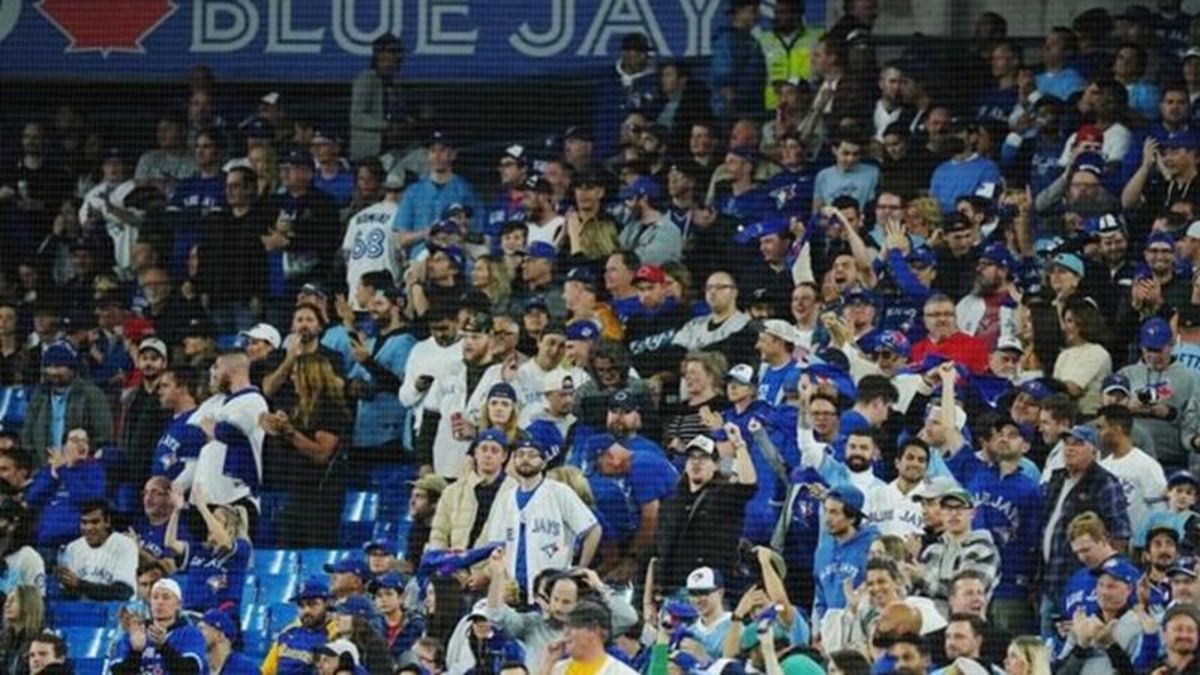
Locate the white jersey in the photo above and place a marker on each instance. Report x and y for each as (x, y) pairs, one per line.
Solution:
(528, 382)
(895, 512)
(1142, 480)
(547, 528)
(547, 233)
(106, 201)
(116, 560)
(242, 410)
(449, 396)
(426, 358)
(368, 245)
(23, 567)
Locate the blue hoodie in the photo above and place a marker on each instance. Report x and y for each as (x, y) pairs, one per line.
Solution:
(835, 561)
(762, 512)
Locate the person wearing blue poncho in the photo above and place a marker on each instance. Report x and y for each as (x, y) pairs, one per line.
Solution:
(219, 632)
(167, 644)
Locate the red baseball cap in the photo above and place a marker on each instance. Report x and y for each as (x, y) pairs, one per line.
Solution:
(650, 273)
(1089, 132)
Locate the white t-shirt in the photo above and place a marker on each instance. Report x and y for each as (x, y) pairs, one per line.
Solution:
(1143, 480)
(368, 245)
(23, 567)
(1086, 366)
(116, 560)
(547, 233)
(1116, 143)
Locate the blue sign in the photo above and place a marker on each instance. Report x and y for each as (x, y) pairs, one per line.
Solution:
(327, 40)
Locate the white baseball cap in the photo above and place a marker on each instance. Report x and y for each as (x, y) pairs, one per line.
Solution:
(169, 585)
(155, 345)
(265, 332)
(704, 579)
(782, 330)
(559, 379)
(1193, 230)
(340, 647)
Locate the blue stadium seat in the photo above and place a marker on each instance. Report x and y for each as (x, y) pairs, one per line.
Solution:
(313, 560)
(271, 503)
(274, 561)
(89, 666)
(255, 637)
(276, 587)
(279, 616)
(87, 642)
(359, 514)
(250, 589)
(78, 613)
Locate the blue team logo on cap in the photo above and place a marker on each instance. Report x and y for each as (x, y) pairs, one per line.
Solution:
(310, 589)
(895, 342)
(492, 435)
(540, 249)
(582, 329)
(1155, 334)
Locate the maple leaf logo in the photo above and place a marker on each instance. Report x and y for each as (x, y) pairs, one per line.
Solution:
(106, 26)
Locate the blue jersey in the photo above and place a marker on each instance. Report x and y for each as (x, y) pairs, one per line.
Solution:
(1188, 354)
(1010, 508)
(206, 193)
(792, 192)
(770, 381)
(239, 664)
(181, 441)
(997, 104)
(340, 187)
(215, 580)
(747, 208)
(186, 642)
(294, 647)
(153, 537)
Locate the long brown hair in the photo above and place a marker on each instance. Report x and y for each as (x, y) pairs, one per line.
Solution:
(32, 615)
(316, 385)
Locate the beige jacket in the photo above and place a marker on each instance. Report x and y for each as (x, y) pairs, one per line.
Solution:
(456, 511)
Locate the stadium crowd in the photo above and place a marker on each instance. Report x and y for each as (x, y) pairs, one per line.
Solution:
(792, 361)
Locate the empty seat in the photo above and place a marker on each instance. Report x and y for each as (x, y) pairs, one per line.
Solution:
(276, 587)
(250, 589)
(274, 561)
(313, 560)
(87, 642)
(73, 613)
(279, 616)
(255, 635)
(83, 666)
(359, 515)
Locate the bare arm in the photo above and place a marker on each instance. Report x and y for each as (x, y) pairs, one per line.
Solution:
(591, 543)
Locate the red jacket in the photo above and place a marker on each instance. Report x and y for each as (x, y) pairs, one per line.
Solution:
(965, 350)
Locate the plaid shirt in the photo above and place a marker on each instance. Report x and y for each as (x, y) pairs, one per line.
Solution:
(1098, 491)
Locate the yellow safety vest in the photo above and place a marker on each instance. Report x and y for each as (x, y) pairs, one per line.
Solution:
(786, 62)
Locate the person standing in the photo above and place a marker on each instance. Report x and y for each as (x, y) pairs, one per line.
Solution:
(588, 628)
(143, 417)
(375, 102)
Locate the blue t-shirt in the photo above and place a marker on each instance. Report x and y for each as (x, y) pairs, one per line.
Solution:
(181, 441)
(340, 187)
(154, 537)
(186, 640)
(240, 664)
(953, 179)
(770, 381)
(860, 182)
(215, 580)
(1062, 84)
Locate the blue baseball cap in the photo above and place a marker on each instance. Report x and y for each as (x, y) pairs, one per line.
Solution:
(1090, 162)
(356, 605)
(493, 435)
(1155, 334)
(385, 544)
(392, 580)
(1116, 382)
(860, 296)
(309, 589)
(742, 373)
(582, 329)
(760, 229)
(1186, 140)
(351, 565)
(922, 255)
(1082, 432)
(222, 622)
(440, 137)
(597, 444)
(746, 152)
(1035, 389)
(850, 496)
(1070, 262)
(1160, 238)
(444, 226)
(624, 400)
(582, 275)
(454, 253)
(503, 390)
(999, 254)
(1181, 477)
(540, 249)
(60, 354)
(457, 208)
(299, 157)
(893, 341)
(642, 187)
(1119, 568)
(527, 440)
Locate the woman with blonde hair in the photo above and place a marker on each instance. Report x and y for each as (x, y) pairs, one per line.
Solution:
(24, 619)
(263, 160)
(312, 437)
(500, 410)
(217, 565)
(490, 276)
(923, 217)
(590, 234)
(1027, 655)
(701, 376)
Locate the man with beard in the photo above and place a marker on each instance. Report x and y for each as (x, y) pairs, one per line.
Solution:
(701, 523)
(428, 357)
(842, 553)
(541, 521)
(956, 260)
(380, 361)
(1181, 628)
(292, 653)
(544, 223)
(422, 504)
(230, 464)
(650, 234)
(986, 312)
(64, 401)
(308, 323)
(1079, 190)
(143, 418)
(1142, 477)
(1161, 388)
(1009, 504)
(459, 390)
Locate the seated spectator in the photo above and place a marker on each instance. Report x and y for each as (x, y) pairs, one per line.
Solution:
(355, 620)
(219, 631)
(16, 472)
(168, 644)
(24, 620)
(48, 655)
(100, 565)
(72, 477)
(151, 528)
(292, 651)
